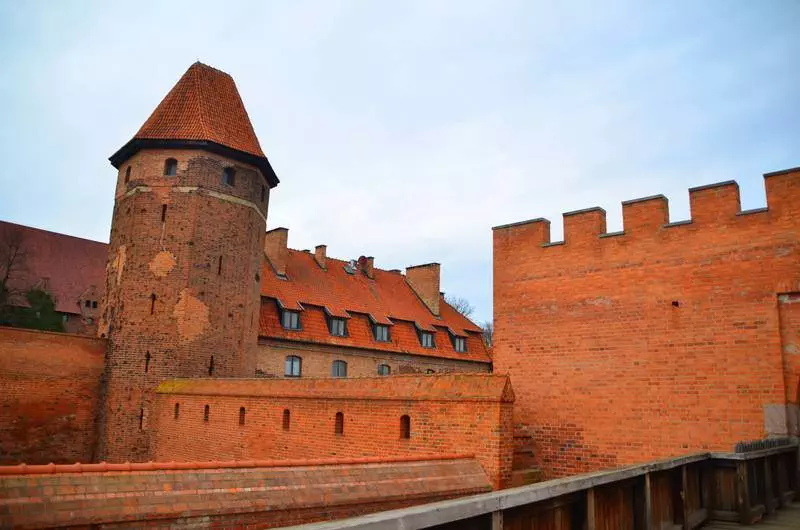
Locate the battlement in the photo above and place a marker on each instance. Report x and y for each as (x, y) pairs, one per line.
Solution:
(711, 205)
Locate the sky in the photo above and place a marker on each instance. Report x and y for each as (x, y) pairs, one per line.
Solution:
(406, 130)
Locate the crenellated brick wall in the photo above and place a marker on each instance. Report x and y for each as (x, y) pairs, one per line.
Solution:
(463, 413)
(49, 395)
(654, 341)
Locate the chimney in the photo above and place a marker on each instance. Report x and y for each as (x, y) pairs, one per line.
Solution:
(367, 265)
(275, 248)
(424, 279)
(320, 253)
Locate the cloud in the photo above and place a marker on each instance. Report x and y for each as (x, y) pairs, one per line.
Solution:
(406, 130)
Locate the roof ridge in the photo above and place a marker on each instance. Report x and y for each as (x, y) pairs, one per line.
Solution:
(342, 261)
(199, 94)
(60, 234)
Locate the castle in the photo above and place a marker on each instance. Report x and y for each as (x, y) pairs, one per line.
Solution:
(232, 361)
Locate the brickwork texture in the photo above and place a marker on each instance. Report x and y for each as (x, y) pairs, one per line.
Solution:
(285, 419)
(49, 398)
(262, 496)
(660, 340)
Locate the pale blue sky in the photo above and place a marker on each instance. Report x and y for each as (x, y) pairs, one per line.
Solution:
(406, 130)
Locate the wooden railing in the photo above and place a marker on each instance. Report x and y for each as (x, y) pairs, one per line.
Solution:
(679, 493)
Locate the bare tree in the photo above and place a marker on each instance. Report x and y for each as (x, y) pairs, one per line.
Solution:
(13, 265)
(460, 304)
(488, 333)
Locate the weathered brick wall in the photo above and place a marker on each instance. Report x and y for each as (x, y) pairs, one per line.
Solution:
(260, 495)
(656, 341)
(317, 360)
(195, 244)
(464, 413)
(49, 392)
(789, 309)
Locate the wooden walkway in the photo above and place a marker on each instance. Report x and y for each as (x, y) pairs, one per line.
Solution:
(784, 518)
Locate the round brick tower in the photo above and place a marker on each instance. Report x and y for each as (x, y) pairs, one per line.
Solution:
(182, 282)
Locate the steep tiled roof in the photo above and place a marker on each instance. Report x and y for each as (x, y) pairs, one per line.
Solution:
(385, 299)
(203, 105)
(66, 266)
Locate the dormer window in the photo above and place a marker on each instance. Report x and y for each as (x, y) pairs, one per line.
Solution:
(426, 339)
(381, 332)
(290, 319)
(170, 167)
(460, 344)
(337, 327)
(229, 176)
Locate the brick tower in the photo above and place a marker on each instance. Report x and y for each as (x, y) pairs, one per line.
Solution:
(186, 246)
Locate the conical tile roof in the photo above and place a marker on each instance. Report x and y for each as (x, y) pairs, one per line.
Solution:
(203, 110)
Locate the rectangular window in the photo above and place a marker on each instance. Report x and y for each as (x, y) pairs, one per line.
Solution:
(381, 333)
(294, 366)
(337, 327)
(426, 339)
(339, 369)
(290, 319)
(460, 344)
(384, 369)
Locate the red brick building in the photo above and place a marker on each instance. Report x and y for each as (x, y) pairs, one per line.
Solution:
(70, 269)
(323, 317)
(659, 340)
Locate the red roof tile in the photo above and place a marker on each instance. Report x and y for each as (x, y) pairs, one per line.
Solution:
(204, 105)
(386, 299)
(70, 265)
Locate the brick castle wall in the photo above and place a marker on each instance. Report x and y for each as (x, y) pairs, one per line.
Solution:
(260, 495)
(656, 341)
(466, 414)
(182, 283)
(50, 393)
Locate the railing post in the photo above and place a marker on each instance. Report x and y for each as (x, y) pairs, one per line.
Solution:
(591, 512)
(648, 502)
(684, 497)
(743, 492)
(497, 520)
(769, 491)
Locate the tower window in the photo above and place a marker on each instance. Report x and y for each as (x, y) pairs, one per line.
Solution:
(384, 369)
(426, 339)
(163, 212)
(339, 369)
(206, 413)
(94, 304)
(287, 418)
(229, 176)
(211, 366)
(242, 413)
(405, 427)
(141, 419)
(337, 327)
(460, 344)
(177, 410)
(381, 332)
(339, 428)
(219, 266)
(127, 174)
(290, 319)
(152, 303)
(146, 362)
(170, 167)
(294, 366)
